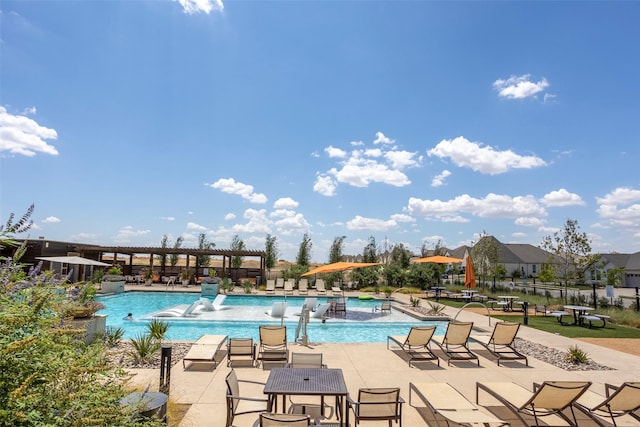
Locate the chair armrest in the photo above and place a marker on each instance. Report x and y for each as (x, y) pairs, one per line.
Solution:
(251, 399)
(608, 388)
(251, 382)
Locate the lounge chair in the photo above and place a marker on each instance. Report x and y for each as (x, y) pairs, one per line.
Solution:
(284, 420)
(336, 289)
(416, 345)
(178, 312)
(444, 401)
(551, 398)
(205, 349)
(500, 343)
(254, 404)
(320, 289)
(278, 309)
(303, 287)
(624, 401)
(288, 287)
(273, 345)
(205, 305)
(217, 303)
(311, 303)
(455, 342)
(321, 311)
(271, 287)
(242, 348)
(377, 404)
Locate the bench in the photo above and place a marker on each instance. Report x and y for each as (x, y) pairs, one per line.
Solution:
(542, 309)
(502, 305)
(559, 314)
(594, 318)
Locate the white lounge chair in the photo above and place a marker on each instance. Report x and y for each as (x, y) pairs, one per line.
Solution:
(303, 286)
(278, 309)
(217, 303)
(177, 312)
(320, 312)
(311, 303)
(271, 287)
(320, 289)
(288, 287)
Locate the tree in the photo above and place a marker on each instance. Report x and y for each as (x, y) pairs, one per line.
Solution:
(547, 272)
(272, 252)
(162, 258)
(304, 252)
(335, 253)
(367, 276)
(573, 251)
(173, 258)
(203, 244)
(614, 276)
(370, 252)
(396, 272)
(237, 244)
(485, 257)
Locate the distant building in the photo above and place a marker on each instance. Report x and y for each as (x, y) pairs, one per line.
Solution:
(630, 263)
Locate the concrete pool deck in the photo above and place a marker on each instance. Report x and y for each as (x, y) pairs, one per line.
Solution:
(373, 365)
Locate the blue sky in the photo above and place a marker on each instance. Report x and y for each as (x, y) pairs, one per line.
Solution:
(413, 121)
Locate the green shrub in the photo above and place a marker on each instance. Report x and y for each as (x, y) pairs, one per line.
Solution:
(576, 355)
(157, 328)
(112, 336)
(144, 348)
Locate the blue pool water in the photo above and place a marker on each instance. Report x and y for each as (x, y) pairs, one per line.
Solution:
(362, 324)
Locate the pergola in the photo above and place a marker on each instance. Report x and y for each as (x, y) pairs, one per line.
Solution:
(131, 251)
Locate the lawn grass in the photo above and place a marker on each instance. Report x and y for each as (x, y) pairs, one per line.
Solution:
(550, 324)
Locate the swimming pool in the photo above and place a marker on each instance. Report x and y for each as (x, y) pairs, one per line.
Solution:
(362, 323)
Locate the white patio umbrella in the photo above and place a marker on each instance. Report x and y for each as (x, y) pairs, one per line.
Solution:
(76, 260)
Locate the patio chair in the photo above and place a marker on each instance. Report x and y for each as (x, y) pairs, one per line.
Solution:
(445, 402)
(500, 343)
(416, 345)
(321, 311)
(385, 306)
(271, 286)
(548, 398)
(273, 345)
(205, 349)
(303, 287)
(624, 401)
(288, 287)
(241, 348)
(308, 360)
(455, 342)
(254, 404)
(284, 420)
(377, 404)
(320, 289)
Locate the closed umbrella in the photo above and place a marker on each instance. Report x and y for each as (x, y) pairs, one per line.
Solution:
(339, 266)
(439, 259)
(469, 275)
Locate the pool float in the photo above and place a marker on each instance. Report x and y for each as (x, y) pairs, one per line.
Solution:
(365, 297)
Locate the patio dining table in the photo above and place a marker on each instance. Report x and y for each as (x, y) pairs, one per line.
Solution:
(308, 382)
(509, 301)
(578, 312)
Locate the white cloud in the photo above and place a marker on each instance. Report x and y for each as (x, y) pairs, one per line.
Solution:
(359, 172)
(292, 225)
(438, 180)
(401, 159)
(621, 207)
(230, 216)
(402, 218)
(196, 227)
(357, 143)
(51, 220)
(191, 7)
(168, 218)
(518, 87)
(382, 139)
(492, 206)
(127, 233)
(373, 224)
(519, 235)
(285, 203)
(257, 222)
(22, 135)
(530, 221)
(561, 197)
(282, 213)
(334, 152)
(486, 160)
(245, 191)
(325, 185)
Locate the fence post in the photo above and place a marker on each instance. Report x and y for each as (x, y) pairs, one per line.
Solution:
(637, 300)
(525, 315)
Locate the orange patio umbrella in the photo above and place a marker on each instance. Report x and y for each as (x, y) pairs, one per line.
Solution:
(439, 259)
(469, 275)
(339, 266)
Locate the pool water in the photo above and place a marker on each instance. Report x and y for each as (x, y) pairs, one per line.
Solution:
(362, 324)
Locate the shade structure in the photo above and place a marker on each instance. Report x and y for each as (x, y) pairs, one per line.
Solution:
(339, 266)
(76, 260)
(469, 275)
(439, 259)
